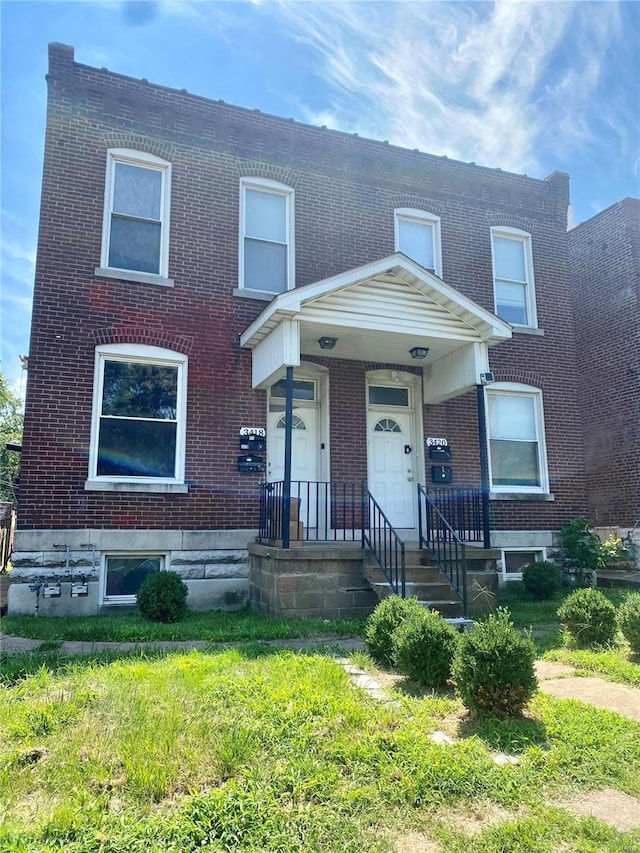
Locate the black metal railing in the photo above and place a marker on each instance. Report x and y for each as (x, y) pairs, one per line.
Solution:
(319, 512)
(462, 507)
(386, 547)
(443, 543)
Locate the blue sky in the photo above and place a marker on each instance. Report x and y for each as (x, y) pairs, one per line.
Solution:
(526, 86)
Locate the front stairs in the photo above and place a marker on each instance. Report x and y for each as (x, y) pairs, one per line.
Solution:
(424, 581)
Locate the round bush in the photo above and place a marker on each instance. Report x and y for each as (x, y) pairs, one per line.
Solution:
(493, 668)
(162, 597)
(388, 615)
(589, 617)
(424, 646)
(629, 620)
(542, 579)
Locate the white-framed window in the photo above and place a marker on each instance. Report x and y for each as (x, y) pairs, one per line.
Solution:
(515, 559)
(122, 575)
(417, 235)
(135, 231)
(139, 415)
(266, 251)
(513, 282)
(517, 452)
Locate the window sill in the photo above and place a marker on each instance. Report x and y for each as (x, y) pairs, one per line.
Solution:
(527, 330)
(534, 497)
(130, 275)
(149, 488)
(262, 295)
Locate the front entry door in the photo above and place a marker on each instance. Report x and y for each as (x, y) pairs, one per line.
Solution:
(304, 457)
(391, 471)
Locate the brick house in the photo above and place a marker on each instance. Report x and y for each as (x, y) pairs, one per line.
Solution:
(604, 253)
(203, 270)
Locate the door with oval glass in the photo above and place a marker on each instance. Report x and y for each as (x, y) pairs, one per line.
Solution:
(391, 460)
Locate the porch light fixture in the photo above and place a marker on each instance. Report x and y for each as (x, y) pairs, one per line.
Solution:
(327, 343)
(419, 352)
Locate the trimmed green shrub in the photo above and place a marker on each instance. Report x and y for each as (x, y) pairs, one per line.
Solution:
(542, 579)
(423, 647)
(493, 668)
(629, 620)
(388, 615)
(589, 617)
(162, 597)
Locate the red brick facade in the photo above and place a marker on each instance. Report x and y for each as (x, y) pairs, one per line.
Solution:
(346, 189)
(605, 258)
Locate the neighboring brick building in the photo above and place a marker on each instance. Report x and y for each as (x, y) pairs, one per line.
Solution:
(605, 258)
(169, 223)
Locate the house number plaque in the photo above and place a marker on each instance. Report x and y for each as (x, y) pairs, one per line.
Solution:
(437, 442)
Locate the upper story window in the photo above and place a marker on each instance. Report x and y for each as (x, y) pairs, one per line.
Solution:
(135, 234)
(516, 439)
(513, 276)
(266, 236)
(417, 235)
(139, 415)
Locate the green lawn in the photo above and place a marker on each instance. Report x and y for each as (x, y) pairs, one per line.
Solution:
(217, 626)
(268, 751)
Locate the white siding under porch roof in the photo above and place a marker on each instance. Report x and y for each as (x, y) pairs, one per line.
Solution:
(395, 305)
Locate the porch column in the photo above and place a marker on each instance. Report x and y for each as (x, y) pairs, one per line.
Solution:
(288, 435)
(484, 464)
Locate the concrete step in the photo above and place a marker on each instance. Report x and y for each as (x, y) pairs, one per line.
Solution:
(448, 609)
(421, 591)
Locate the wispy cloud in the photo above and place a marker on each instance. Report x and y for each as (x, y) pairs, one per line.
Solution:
(498, 83)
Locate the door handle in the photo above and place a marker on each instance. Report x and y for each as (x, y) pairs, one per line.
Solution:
(410, 479)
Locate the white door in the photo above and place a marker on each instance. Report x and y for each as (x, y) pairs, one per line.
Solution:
(304, 458)
(391, 473)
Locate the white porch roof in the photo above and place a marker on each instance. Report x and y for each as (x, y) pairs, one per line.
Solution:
(378, 312)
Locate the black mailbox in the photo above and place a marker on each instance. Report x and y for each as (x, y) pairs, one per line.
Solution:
(252, 443)
(441, 474)
(251, 464)
(439, 453)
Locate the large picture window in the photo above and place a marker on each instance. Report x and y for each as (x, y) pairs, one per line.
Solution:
(417, 235)
(516, 439)
(266, 236)
(139, 418)
(513, 276)
(136, 217)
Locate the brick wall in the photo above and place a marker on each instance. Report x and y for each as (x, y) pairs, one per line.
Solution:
(346, 190)
(605, 256)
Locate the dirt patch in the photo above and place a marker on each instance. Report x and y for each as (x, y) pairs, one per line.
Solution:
(414, 842)
(615, 808)
(476, 817)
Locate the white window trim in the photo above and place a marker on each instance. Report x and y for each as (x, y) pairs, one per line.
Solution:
(541, 555)
(277, 188)
(145, 355)
(422, 216)
(525, 238)
(519, 390)
(126, 600)
(149, 161)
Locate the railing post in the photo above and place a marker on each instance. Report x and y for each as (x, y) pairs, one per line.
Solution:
(288, 436)
(419, 515)
(362, 510)
(464, 581)
(484, 464)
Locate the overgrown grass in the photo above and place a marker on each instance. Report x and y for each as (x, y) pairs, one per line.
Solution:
(216, 626)
(266, 751)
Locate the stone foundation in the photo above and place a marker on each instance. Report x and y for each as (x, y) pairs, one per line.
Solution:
(325, 582)
(213, 564)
